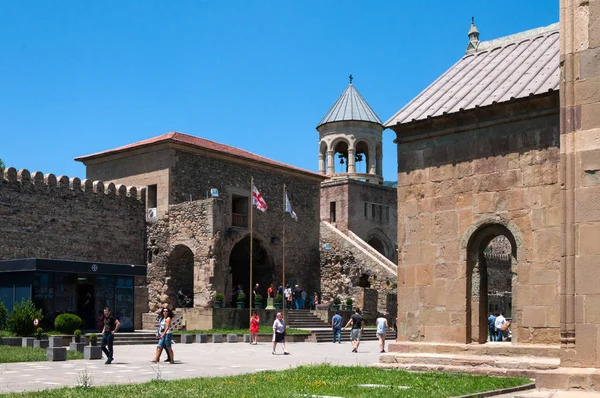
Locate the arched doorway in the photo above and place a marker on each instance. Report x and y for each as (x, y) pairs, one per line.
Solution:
(239, 263)
(491, 259)
(180, 274)
(377, 244)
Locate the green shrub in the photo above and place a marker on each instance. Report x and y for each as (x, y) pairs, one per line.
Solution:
(349, 301)
(241, 296)
(258, 298)
(67, 323)
(77, 333)
(3, 316)
(20, 321)
(219, 297)
(93, 336)
(337, 300)
(278, 299)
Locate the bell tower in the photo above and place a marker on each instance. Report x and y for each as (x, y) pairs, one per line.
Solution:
(350, 140)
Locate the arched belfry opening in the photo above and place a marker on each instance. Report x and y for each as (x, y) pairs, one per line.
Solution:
(362, 157)
(239, 263)
(341, 157)
(491, 268)
(180, 273)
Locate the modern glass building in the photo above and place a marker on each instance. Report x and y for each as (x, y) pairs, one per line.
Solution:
(78, 287)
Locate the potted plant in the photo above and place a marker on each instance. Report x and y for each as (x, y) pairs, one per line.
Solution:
(349, 304)
(241, 300)
(77, 336)
(219, 298)
(39, 333)
(93, 340)
(278, 302)
(336, 303)
(258, 301)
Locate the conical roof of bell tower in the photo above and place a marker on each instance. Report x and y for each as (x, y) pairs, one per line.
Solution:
(350, 106)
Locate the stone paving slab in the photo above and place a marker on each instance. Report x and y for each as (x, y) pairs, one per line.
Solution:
(132, 364)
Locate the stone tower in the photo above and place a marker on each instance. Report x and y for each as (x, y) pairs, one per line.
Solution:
(350, 138)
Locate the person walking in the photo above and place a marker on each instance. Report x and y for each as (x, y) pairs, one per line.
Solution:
(303, 297)
(109, 328)
(287, 293)
(166, 337)
(336, 327)
(498, 325)
(298, 297)
(491, 326)
(279, 334)
(254, 327)
(382, 326)
(159, 318)
(315, 301)
(357, 323)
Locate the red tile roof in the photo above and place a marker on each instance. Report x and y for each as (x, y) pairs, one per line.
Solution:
(197, 142)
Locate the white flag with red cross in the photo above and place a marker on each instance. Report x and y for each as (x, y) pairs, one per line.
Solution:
(257, 200)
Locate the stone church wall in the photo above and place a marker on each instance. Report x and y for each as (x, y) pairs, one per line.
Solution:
(494, 165)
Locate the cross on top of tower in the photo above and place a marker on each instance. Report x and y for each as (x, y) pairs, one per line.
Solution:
(350, 77)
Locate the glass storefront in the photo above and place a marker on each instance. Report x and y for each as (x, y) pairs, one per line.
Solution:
(85, 295)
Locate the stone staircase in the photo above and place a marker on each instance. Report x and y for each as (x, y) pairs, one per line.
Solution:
(321, 330)
(304, 319)
(133, 338)
(365, 246)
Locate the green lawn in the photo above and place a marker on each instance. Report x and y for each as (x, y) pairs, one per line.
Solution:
(263, 330)
(28, 354)
(321, 380)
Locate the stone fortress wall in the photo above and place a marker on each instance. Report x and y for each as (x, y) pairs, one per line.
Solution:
(45, 216)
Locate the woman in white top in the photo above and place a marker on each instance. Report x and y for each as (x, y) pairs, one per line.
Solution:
(279, 333)
(382, 327)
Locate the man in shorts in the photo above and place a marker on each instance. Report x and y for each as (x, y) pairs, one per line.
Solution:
(358, 324)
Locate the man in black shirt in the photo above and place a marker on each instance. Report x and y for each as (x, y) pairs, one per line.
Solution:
(110, 327)
(358, 325)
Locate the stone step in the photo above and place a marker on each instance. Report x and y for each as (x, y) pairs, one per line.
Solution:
(474, 370)
(528, 363)
(490, 348)
(324, 336)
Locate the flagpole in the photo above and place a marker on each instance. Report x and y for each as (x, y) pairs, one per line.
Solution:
(251, 210)
(284, 301)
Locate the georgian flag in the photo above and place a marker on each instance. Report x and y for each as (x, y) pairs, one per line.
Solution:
(257, 200)
(288, 208)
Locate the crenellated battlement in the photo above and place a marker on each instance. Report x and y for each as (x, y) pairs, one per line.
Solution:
(37, 179)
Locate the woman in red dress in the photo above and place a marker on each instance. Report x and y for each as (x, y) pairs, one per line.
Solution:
(254, 326)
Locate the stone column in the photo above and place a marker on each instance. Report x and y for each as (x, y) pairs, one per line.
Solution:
(351, 161)
(321, 163)
(330, 159)
(580, 181)
(380, 162)
(372, 162)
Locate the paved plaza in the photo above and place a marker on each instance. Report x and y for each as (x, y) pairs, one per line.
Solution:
(132, 363)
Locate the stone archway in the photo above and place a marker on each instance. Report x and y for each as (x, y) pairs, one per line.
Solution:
(377, 244)
(180, 273)
(262, 266)
(491, 268)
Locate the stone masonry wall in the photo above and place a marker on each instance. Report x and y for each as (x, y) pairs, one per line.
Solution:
(189, 224)
(495, 165)
(195, 175)
(345, 270)
(44, 216)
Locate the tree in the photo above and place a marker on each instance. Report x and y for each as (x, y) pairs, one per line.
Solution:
(2, 165)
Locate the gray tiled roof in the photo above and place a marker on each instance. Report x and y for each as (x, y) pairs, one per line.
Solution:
(350, 106)
(500, 70)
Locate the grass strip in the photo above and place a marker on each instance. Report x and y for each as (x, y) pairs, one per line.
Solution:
(320, 380)
(29, 354)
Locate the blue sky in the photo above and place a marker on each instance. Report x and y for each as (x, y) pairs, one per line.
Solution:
(78, 77)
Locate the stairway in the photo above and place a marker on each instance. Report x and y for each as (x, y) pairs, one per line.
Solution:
(304, 319)
(321, 331)
(133, 338)
(326, 336)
